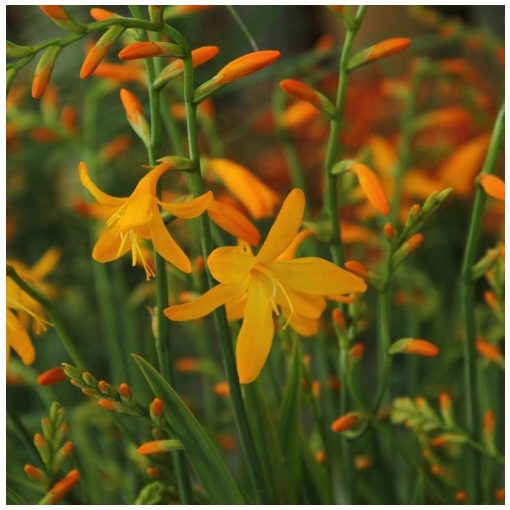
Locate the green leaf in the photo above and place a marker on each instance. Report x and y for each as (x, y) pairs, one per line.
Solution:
(288, 426)
(201, 451)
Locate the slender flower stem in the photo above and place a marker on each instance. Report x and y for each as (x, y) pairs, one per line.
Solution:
(53, 315)
(197, 185)
(331, 196)
(467, 292)
(162, 339)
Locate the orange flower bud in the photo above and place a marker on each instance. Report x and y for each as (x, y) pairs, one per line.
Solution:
(43, 71)
(316, 389)
(489, 423)
(461, 496)
(357, 268)
(99, 51)
(389, 47)
(108, 404)
(61, 488)
(222, 389)
(338, 318)
(298, 114)
(414, 346)
(54, 12)
(362, 462)
(247, 64)
(160, 446)
(187, 365)
(131, 105)
(356, 351)
(156, 408)
(500, 495)
(491, 299)
(489, 351)
(445, 402)
(436, 469)
(321, 457)
(372, 187)
(439, 441)
(389, 231)
(153, 472)
(226, 441)
(414, 242)
(114, 148)
(34, 473)
(69, 119)
(125, 391)
(345, 422)
(148, 49)
(493, 186)
(126, 72)
(51, 376)
(99, 14)
(301, 91)
(334, 383)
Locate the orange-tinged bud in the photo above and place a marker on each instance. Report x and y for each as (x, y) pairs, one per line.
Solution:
(69, 119)
(148, 49)
(131, 105)
(55, 12)
(39, 440)
(357, 268)
(414, 242)
(114, 148)
(439, 441)
(390, 232)
(187, 365)
(99, 51)
(125, 391)
(346, 422)
(43, 71)
(51, 376)
(356, 351)
(99, 14)
(449, 116)
(325, 43)
(334, 383)
(493, 186)
(321, 457)
(372, 187)
(156, 408)
(247, 64)
(153, 472)
(363, 461)
(61, 488)
(491, 299)
(489, 351)
(301, 91)
(489, 423)
(445, 402)
(107, 404)
(34, 473)
(338, 318)
(126, 72)
(436, 470)
(222, 389)
(88, 392)
(461, 496)
(42, 134)
(414, 346)
(226, 441)
(500, 495)
(160, 446)
(388, 47)
(380, 50)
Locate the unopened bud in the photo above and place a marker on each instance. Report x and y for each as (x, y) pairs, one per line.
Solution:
(34, 473)
(363, 462)
(62, 19)
(380, 50)
(390, 232)
(160, 446)
(42, 447)
(43, 71)
(148, 49)
(89, 379)
(407, 248)
(414, 346)
(51, 376)
(222, 389)
(61, 488)
(156, 409)
(100, 50)
(345, 422)
(125, 392)
(62, 454)
(321, 457)
(134, 113)
(304, 92)
(338, 319)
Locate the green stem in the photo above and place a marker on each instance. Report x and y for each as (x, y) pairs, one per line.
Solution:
(197, 185)
(467, 292)
(331, 203)
(243, 27)
(53, 315)
(162, 337)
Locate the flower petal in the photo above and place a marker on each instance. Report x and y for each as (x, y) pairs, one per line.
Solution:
(189, 208)
(107, 247)
(493, 186)
(256, 334)
(285, 226)
(206, 303)
(313, 275)
(45, 264)
(306, 305)
(100, 196)
(166, 246)
(230, 264)
(372, 187)
(18, 339)
(235, 309)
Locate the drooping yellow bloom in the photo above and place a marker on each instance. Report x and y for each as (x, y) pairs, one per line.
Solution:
(268, 282)
(137, 217)
(23, 311)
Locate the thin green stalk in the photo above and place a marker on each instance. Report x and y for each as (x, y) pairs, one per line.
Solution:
(331, 203)
(197, 185)
(102, 284)
(243, 27)
(53, 315)
(467, 293)
(20, 430)
(162, 337)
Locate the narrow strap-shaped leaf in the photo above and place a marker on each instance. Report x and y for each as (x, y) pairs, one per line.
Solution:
(202, 453)
(288, 426)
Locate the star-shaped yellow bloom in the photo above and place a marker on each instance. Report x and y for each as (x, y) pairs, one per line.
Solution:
(138, 217)
(271, 281)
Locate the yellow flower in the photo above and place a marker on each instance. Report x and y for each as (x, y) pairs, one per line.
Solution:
(271, 281)
(23, 311)
(137, 217)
